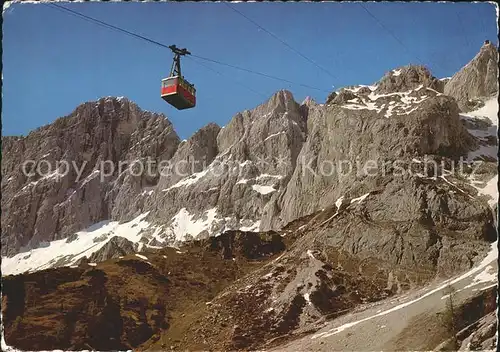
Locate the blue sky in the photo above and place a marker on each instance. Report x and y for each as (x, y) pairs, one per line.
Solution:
(52, 61)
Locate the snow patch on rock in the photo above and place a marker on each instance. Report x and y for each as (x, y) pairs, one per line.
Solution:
(66, 252)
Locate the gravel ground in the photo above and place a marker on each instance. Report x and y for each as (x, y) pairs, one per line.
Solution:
(405, 323)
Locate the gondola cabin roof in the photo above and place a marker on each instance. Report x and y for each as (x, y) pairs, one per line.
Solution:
(181, 80)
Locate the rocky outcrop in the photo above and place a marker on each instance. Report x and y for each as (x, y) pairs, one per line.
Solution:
(356, 200)
(478, 79)
(116, 247)
(343, 97)
(367, 132)
(482, 334)
(266, 168)
(475, 323)
(93, 308)
(236, 171)
(204, 295)
(129, 301)
(247, 245)
(218, 179)
(407, 78)
(43, 202)
(207, 289)
(330, 97)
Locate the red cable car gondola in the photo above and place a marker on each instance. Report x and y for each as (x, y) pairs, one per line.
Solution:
(176, 90)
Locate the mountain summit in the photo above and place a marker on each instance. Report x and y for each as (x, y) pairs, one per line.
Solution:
(250, 235)
(262, 170)
(478, 79)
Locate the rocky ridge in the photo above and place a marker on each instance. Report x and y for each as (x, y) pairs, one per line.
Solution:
(205, 294)
(267, 167)
(328, 242)
(43, 200)
(476, 80)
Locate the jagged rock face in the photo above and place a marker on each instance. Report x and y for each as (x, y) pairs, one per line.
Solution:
(116, 247)
(136, 193)
(199, 151)
(478, 79)
(407, 78)
(359, 130)
(345, 255)
(475, 324)
(478, 316)
(219, 178)
(232, 172)
(343, 97)
(483, 334)
(342, 237)
(53, 203)
(420, 225)
(330, 97)
(267, 167)
(204, 295)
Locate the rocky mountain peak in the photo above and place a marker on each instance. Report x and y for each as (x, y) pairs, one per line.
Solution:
(301, 212)
(52, 202)
(308, 101)
(283, 96)
(281, 101)
(252, 173)
(477, 79)
(193, 155)
(207, 132)
(407, 78)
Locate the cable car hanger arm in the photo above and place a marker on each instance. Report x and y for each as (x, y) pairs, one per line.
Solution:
(176, 64)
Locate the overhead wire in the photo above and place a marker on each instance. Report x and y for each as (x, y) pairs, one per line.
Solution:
(138, 36)
(281, 41)
(394, 35)
(221, 74)
(258, 73)
(88, 18)
(107, 25)
(389, 31)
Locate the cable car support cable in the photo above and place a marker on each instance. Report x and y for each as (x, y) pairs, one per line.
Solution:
(259, 73)
(105, 25)
(394, 36)
(281, 41)
(221, 74)
(138, 36)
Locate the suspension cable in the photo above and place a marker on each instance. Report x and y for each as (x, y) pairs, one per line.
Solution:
(259, 73)
(281, 41)
(138, 36)
(221, 74)
(394, 35)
